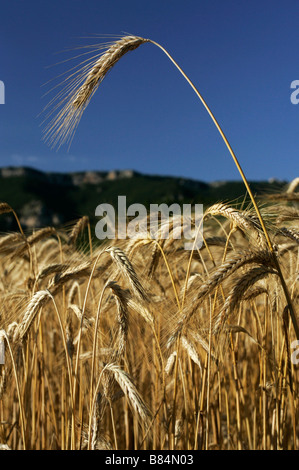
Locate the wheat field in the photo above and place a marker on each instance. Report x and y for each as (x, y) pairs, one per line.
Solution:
(141, 344)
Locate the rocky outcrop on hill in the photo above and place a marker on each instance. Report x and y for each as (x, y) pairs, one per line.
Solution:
(52, 198)
(67, 179)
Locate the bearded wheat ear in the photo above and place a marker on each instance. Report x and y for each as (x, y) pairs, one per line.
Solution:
(78, 228)
(126, 268)
(5, 209)
(38, 300)
(237, 292)
(227, 268)
(136, 402)
(97, 74)
(121, 298)
(82, 88)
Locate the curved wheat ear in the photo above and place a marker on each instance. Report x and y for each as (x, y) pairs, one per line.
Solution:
(51, 269)
(81, 88)
(191, 350)
(78, 228)
(121, 298)
(127, 269)
(227, 268)
(252, 294)
(60, 278)
(244, 221)
(5, 209)
(97, 74)
(36, 303)
(130, 391)
(237, 292)
(293, 185)
(9, 243)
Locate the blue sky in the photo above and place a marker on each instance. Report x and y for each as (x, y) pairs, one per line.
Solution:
(241, 55)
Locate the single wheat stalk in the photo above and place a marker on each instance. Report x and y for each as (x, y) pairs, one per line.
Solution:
(154, 259)
(237, 292)
(69, 335)
(142, 310)
(78, 228)
(38, 300)
(190, 349)
(51, 269)
(121, 298)
(72, 273)
(136, 401)
(240, 329)
(204, 344)
(98, 441)
(169, 366)
(75, 289)
(127, 269)
(86, 322)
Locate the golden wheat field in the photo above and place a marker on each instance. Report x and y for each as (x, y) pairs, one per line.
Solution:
(141, 344)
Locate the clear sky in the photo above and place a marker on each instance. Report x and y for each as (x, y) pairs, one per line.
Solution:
(241, 55)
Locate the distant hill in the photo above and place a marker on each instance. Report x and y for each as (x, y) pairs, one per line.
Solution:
(42, 198)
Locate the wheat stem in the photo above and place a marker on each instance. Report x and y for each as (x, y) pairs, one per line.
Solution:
(22, 414)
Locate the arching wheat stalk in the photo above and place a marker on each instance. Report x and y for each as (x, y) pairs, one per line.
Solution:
(61, 129)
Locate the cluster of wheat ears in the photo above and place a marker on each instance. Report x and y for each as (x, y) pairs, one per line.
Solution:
(141, 344)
